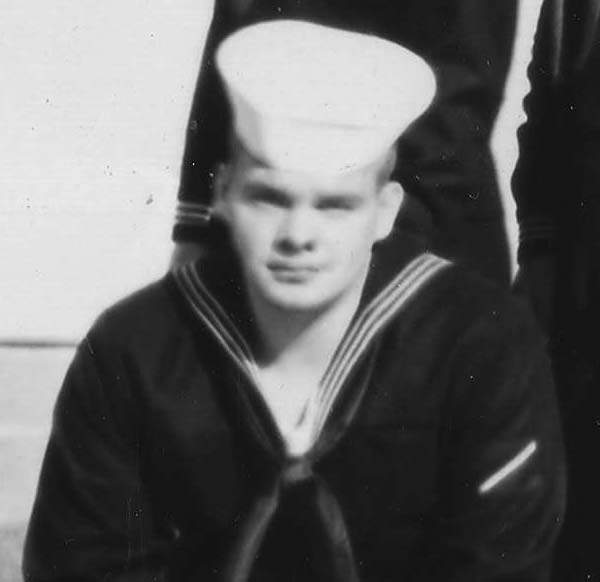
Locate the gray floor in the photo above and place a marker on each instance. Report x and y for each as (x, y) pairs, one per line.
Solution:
(11, 543)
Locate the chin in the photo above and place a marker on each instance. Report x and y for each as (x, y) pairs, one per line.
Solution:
(296, 298)
(297, 304)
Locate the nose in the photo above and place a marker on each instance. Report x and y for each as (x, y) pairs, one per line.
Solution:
(297, 231)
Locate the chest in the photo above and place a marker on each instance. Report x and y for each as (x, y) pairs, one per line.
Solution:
(286, 393)
(206, 462)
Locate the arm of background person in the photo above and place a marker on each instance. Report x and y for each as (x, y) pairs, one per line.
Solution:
(445, 159)
(543, 175)
(205, 140)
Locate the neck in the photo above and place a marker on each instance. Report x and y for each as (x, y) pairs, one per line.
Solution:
(304, 340)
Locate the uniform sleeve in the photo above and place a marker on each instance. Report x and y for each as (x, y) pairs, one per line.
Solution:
(580, 204)
(445, 160)
(91, 519)
(541, 177)
(503, 477)
(206, 138)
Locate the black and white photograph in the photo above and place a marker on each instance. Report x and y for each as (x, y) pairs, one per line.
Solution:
(300, 291)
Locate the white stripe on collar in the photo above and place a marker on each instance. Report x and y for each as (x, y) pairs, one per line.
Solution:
(210, 311)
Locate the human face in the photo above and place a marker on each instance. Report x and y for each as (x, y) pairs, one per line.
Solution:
(304, 241)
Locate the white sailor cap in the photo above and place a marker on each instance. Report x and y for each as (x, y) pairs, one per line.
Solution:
(313, 98)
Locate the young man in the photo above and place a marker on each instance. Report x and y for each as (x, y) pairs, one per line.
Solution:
(315, 399)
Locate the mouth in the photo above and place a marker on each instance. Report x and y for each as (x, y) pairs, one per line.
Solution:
(292, 273)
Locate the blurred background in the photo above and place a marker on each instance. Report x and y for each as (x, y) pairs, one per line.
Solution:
(93, 111)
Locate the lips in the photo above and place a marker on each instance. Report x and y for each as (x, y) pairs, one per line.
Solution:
(292, 272)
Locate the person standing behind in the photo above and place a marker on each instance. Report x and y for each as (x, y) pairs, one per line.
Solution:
(444, 161)
(556, 185)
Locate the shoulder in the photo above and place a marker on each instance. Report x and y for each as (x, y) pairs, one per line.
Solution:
(474, 302)
(149, 315)
(441, 298)
(458, 312)
(497, 360)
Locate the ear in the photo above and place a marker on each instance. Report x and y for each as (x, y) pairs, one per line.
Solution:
(221, 185)
(390, 199)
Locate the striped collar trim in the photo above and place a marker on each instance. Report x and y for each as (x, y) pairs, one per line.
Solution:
(190, 212)
(366, 327)
(211, 312)
(371, 321)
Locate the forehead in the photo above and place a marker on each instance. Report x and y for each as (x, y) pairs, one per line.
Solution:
(251, 171)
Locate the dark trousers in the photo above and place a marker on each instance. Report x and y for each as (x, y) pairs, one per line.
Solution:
(576, 355)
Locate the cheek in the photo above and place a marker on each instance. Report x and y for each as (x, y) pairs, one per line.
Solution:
(250, 231)
(355, 237)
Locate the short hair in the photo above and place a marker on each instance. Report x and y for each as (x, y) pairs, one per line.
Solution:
(386, 167)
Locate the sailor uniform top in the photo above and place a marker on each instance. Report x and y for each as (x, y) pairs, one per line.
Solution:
(433, 450)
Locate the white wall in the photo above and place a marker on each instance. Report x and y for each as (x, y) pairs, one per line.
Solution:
(94, 101)
(504, 140)
(93, 107)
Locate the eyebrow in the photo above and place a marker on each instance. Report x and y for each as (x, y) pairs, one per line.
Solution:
(260, 185)
(345, 196)
(259, 182)
(259, 189)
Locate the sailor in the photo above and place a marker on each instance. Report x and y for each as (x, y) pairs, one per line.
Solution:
(317, 398)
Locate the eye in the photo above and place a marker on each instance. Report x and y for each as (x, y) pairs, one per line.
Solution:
(267, 196)
(337, 203)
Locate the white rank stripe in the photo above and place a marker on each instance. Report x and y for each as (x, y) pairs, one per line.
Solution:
(508, 469)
